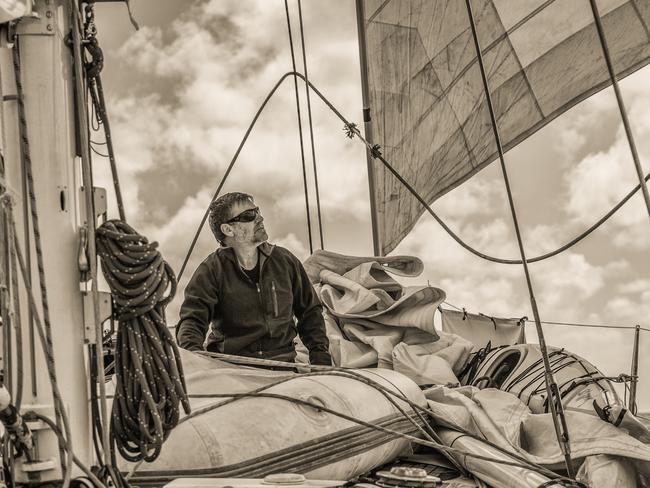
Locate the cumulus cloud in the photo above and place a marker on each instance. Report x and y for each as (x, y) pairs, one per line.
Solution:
(209, 72)
(601, 179)
(195, 86)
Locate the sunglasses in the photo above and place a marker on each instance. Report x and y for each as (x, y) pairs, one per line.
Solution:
(246, 216)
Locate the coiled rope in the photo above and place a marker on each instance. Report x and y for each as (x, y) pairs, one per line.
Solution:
(150, 381)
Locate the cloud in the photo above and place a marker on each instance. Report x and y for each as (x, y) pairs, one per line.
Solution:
(209, 72)
(601, 179)
(190, 90)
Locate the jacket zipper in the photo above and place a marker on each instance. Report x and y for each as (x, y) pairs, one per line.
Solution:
(275, 300)
(259, 296)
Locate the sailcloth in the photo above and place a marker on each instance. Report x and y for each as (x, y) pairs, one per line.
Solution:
(426, 96)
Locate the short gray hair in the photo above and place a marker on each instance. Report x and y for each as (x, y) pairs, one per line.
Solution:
(220, 211)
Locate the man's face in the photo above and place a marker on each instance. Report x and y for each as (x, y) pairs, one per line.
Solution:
(252, 232)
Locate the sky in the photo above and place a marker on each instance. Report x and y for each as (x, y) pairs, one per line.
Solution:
(182, 90)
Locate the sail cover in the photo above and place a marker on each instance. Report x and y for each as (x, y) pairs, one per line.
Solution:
(427, 102)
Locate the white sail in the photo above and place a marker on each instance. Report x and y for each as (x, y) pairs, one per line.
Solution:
(426, 95)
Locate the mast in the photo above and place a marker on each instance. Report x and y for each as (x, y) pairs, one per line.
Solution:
(47, 87)
(363, 63)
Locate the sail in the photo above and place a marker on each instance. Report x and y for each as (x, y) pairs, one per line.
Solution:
(427, 103)
(14, 9)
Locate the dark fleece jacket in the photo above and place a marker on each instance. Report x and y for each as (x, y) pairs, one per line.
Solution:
(249, 319)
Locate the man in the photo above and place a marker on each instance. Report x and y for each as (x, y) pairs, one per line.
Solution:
(248, 291)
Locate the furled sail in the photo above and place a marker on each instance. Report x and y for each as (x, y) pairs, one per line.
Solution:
(426, 97)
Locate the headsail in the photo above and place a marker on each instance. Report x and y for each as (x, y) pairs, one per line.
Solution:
(426, 96)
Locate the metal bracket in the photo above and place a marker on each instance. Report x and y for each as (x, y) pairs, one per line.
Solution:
(42, 20)
(39, 466)
(105, 311)
(99, 202)
(48, 467)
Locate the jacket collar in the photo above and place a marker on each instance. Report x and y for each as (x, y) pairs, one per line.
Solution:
(265, 249)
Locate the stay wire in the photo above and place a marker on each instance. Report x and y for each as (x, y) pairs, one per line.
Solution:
(10, 301)
(552, 392)
(311, 126)
(352, 131)
(568, 324)
(97, 92)
(621, 104)
(229, 169)
(302, 145)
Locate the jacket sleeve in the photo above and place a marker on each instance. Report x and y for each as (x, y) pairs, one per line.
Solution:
(198, 309)
(309, 312)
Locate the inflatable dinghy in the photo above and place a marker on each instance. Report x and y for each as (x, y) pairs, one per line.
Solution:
(253, 437)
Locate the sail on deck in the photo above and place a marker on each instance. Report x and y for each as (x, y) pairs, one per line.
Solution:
(426, 97)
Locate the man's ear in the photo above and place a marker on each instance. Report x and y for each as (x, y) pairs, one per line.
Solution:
(227, 230)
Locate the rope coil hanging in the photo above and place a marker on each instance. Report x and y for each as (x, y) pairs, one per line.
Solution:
(150, 381)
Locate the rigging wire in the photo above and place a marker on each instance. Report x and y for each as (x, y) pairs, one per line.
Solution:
(621, 104)
(571, 324)
(352, 131)
(311, 126)
(302, 146)
(93, 75)
(228, 170)
(553, 394)
(83, 72)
